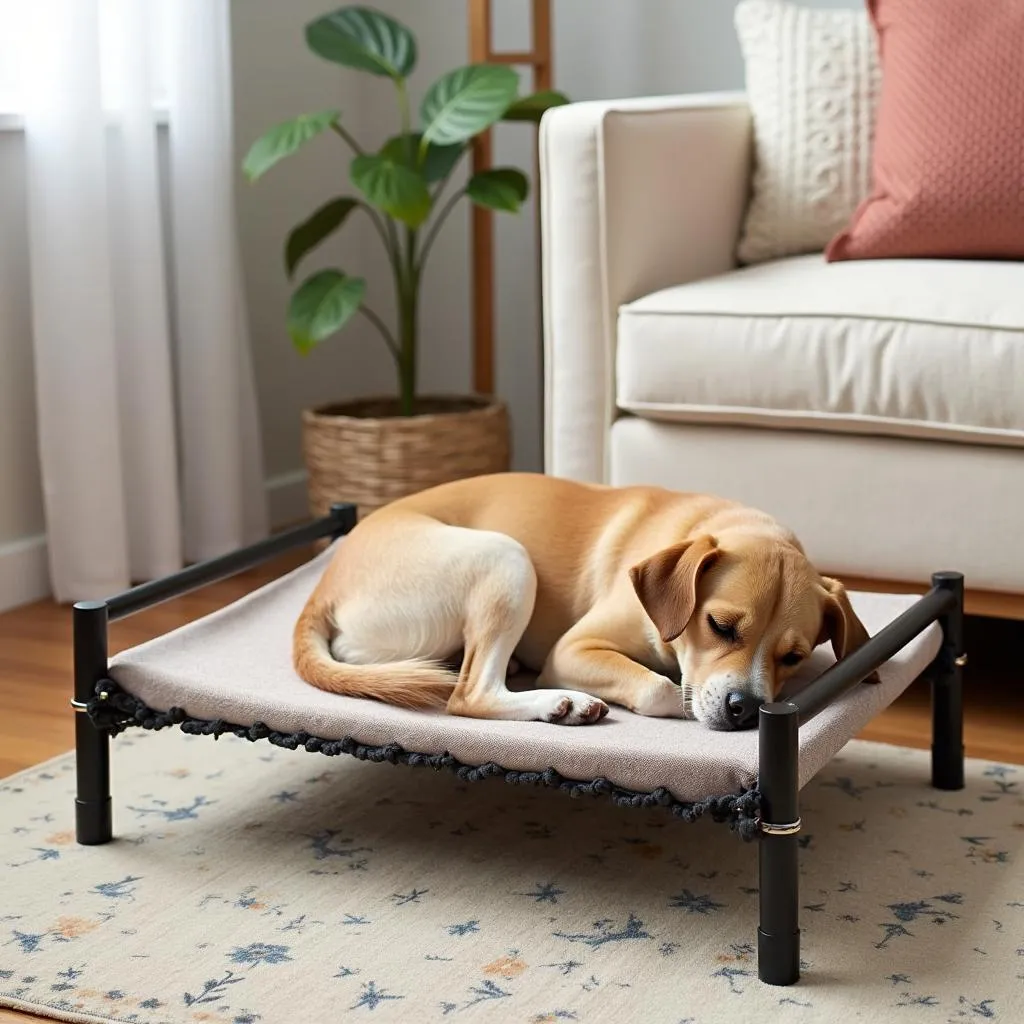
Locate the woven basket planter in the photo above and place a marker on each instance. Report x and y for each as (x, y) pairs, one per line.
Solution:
(363, 452)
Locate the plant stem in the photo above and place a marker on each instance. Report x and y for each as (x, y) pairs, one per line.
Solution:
(406, 277)
(388, 337)
(407, 117)
(378, 223)
(395, 249)
(347, 136)
(408, 303)
(435, 228)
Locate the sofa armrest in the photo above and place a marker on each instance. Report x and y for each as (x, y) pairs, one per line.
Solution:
(636, 195)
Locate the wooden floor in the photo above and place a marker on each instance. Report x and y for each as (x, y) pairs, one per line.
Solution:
(35, 671)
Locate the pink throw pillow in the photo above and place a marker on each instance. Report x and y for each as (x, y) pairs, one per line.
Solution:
(948, 160)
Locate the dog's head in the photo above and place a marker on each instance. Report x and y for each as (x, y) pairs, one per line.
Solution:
(742, 616)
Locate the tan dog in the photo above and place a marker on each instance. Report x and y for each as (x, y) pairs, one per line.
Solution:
(674, 605)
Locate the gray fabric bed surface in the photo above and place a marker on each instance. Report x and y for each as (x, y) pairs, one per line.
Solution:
(235, 665)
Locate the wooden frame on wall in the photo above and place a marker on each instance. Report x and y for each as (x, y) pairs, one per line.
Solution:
(538, 59)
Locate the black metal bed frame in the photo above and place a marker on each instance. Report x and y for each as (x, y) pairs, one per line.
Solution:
(778, 933)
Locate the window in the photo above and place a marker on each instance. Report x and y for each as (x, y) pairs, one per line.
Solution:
(11, 31)
(115, 33)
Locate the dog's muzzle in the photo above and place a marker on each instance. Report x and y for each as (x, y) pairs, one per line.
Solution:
(725, 703)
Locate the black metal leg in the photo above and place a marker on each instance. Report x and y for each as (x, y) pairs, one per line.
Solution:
(346, 516)
(93, 823)
(778, 936)
(947, 690)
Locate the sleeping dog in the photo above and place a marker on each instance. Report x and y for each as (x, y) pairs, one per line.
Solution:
(669, 604)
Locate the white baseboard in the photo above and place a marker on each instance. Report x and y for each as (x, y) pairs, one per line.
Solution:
(286, 497)
(24, 572)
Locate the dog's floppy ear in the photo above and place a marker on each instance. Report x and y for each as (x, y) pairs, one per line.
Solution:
(840, 623)
(666, 583)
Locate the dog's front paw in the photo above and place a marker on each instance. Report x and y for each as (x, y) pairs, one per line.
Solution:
(662, 699)
(568, 707)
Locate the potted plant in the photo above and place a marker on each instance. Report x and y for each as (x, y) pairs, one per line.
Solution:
(374, 450)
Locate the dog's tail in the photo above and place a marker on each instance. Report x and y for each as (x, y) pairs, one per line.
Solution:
(408, 684)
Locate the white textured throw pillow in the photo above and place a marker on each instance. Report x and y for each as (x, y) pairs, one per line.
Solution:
(812, 82)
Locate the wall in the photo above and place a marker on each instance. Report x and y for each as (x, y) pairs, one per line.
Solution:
(603, 48)
(23, 571)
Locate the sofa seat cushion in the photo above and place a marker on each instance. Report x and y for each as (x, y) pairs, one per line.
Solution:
(920, 348)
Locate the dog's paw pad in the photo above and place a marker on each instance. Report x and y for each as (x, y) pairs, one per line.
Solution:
(585, 711)
(572, 708)
(560, 710)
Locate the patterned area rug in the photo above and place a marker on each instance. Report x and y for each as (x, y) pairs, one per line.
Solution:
(253, 884)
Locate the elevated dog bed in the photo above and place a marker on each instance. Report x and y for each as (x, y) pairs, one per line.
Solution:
(232, 672)
(235, 666)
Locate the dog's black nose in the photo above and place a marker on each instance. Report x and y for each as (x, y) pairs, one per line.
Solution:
(741, 709)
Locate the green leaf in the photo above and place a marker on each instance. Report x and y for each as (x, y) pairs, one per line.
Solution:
(531, 108)
(312, 231)
(284, 139)
(365, 39)
(393, 187)
(467, 101)
(322, 305)
(437, 164)
(499, 188)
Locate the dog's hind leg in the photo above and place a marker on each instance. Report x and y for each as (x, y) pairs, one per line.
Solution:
(420, 589)
(501, 586)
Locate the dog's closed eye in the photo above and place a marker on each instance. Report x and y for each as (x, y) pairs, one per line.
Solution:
(727, 631)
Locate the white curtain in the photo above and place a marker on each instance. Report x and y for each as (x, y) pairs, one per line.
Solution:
(149, 441)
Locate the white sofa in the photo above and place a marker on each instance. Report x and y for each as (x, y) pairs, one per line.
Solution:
(877, 407)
